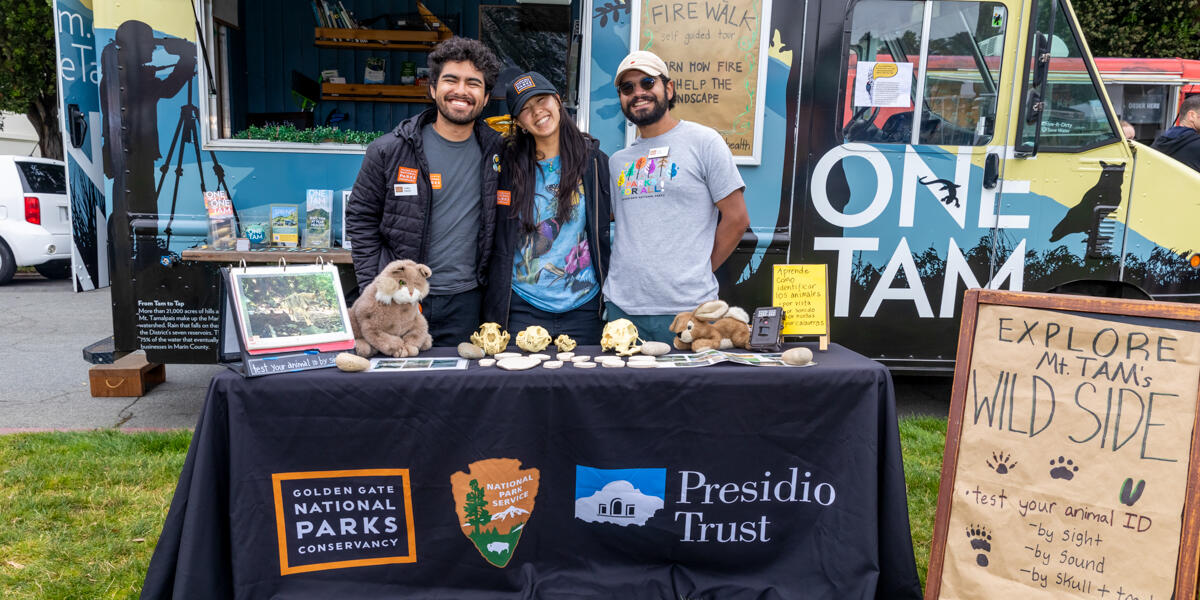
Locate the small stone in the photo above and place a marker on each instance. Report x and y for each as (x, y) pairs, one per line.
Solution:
(504, 355)
(517, 363)
(797, 356)
(585, 365)
(582, 358)
(470, 351)
(612, 363)
(540, 356)
(565, 355)
(351, 363)
(552, 364)
(487, 362)
(655, 348)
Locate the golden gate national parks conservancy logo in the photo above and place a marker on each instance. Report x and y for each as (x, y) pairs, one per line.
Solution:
(494, 500)
(338, 519)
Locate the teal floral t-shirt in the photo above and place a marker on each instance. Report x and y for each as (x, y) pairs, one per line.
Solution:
(552, 267)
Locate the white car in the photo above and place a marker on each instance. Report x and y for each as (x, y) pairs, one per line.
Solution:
(35, 223)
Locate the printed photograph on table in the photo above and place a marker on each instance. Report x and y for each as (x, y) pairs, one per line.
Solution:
(380, 365)
(289, 307)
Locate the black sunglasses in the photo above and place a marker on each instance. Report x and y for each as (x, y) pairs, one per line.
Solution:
(647, 83)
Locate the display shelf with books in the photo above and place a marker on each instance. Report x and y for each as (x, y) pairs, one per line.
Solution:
(377, 39)
(374, 92)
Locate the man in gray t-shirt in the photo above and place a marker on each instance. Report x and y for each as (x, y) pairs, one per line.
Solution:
(426, 191)
(454, 222)
(669, 187)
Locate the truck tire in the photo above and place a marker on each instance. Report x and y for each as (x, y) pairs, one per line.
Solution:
(55, 269)
(8, 264)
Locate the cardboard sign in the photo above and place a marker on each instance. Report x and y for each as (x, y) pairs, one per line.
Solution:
(713, 52)
(1069, 463)
(803, 293)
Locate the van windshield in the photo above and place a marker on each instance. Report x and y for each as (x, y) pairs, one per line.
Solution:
(42, 178)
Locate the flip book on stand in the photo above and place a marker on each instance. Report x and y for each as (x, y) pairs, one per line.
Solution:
(284, 318)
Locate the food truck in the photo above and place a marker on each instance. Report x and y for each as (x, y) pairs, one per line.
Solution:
(1015, 176)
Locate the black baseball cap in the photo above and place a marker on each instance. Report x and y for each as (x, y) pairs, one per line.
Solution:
(523, 87)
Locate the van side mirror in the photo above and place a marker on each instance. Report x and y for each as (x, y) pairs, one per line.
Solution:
(1041, 58)
(991, 170)
(77, 125)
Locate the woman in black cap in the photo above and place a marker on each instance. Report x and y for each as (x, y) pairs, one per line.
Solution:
(552, 220)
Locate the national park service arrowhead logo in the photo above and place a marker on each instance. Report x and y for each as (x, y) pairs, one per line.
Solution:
(494, 500)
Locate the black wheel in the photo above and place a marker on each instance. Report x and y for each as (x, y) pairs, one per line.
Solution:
(55, 269)
(8, 264)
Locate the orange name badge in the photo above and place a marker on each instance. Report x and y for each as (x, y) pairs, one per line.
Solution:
(435, 181)
(503, 198)
(406, 175)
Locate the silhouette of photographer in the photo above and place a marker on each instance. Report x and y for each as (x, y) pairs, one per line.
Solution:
(130, 137)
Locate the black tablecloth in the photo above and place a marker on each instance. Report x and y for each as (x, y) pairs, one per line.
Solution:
(729, 482)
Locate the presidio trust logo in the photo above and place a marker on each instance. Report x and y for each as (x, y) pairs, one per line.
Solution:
(704, 510)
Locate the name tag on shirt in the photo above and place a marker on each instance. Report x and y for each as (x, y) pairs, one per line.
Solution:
(659, 152)
(405, 189)
(435, 181)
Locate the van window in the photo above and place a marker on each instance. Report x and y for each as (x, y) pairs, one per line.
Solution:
(1073, 118)
(42, 178)
(961, 71)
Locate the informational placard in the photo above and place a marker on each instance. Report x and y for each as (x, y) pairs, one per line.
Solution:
(886, 84)
(1069, 469)
(802, 291)
(716, 53)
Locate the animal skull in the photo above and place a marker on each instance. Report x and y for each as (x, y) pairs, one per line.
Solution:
(491, 338)
(533, 339)
(621, 336)
(564, 343)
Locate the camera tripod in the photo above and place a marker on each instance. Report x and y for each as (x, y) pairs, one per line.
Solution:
(186, 132)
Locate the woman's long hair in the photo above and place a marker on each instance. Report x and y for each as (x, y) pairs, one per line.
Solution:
(520, 163)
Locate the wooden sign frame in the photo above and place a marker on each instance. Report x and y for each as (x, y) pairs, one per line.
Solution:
(760, 83)
(1186, 568)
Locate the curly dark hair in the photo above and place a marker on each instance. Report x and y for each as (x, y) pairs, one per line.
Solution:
(459, 49)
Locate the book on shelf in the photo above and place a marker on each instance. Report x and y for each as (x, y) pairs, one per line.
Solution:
(345, 232)
(374, 72)
(222, 229)
(285, 225)
(318, 218)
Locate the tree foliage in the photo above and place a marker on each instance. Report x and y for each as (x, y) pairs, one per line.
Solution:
(1141, 28)
(27, 68)
(476, 507)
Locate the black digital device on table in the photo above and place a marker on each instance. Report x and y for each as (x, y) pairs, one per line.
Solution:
(765, 328)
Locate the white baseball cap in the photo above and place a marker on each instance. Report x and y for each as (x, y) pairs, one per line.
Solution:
(644, 61)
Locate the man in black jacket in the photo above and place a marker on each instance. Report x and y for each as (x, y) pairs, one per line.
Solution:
(427, 191)
(1182, 142)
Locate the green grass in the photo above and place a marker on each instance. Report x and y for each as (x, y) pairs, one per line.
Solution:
(921, 442)
(80, 512)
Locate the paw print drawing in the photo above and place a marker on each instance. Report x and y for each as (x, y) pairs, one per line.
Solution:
(981, 541)
(1000, 463)
(1063, 468)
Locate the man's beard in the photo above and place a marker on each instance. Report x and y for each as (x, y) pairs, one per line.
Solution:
(656, 112)
(472, 114)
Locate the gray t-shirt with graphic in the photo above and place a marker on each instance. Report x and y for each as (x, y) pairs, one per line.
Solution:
(454, 224)
(664, 195)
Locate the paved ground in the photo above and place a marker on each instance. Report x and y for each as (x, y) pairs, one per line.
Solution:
(44, 327)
